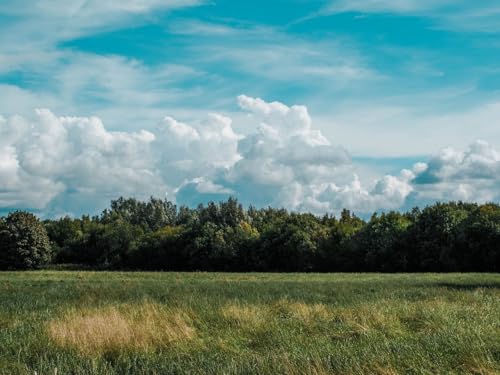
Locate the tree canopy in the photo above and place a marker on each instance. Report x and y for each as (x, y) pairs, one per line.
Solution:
(224, 236)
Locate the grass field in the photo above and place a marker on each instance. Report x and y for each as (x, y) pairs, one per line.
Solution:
(214, 323)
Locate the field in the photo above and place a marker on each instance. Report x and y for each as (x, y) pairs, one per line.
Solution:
(214, 323)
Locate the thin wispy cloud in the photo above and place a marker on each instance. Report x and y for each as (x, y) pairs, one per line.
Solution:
(449, 14)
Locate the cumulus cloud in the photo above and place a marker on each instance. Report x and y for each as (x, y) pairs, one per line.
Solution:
(186, 152)
(48, 158)
(473, 174)
(52, 156)
(290, 163)
(74, 164)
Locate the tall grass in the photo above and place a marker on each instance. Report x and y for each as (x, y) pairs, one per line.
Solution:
(120, 328)
(202, 323)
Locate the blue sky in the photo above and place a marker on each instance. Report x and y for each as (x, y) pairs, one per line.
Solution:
(404, 88)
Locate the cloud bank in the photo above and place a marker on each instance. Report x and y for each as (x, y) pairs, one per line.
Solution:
(57, 165)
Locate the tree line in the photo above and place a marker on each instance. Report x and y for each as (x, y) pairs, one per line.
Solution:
(224, 236)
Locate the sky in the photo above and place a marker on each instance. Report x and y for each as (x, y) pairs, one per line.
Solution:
(311, 105)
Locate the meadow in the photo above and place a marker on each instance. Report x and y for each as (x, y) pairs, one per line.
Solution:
(62, 322)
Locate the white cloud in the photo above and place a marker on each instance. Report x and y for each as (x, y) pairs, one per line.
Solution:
(473, 174)
(186, 153)
(79, 8)
(51, 156)
(389, 192)
(457, 15)
(129, 94)
(74, 164)
(398, 6)
(73, 18)
(285, 161)
(204, 186)
(290, 59)
(125, 93)
(284, 147)
(197, 28)
(48, 73)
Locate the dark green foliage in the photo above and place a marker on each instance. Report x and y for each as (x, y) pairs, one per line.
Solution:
(291, 243)
(337, 252)
(478, 239)
(381, 242)
(432, 239)
(24, 243)
(159, 250)
(156, 235)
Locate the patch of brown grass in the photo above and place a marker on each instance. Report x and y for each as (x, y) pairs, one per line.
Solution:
(144, 327)
(245, 315)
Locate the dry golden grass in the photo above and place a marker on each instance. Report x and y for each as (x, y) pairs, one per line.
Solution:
(254, 316)
(308, 313)
(250, 316)
(144, 327)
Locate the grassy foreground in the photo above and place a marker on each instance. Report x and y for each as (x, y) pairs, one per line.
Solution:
(214, 323)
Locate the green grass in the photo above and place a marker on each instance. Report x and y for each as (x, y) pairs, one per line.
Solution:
(217, 323)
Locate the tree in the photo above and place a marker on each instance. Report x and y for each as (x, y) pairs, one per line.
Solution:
(211, 248)
(63, 234)
(151, 215)
(336, 251)
(381, 241)
(478, 240)
(432, 238)
(223, 236)
(159, 250)
(24, 243)
(291, 244)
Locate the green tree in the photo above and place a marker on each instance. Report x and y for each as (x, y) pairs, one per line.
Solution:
(432, 238)
(159, 250)
(24, 243)
(478, 240)
(290, 244)
(151, 215)
(381, 241)
(63, 234)
(336, 252)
